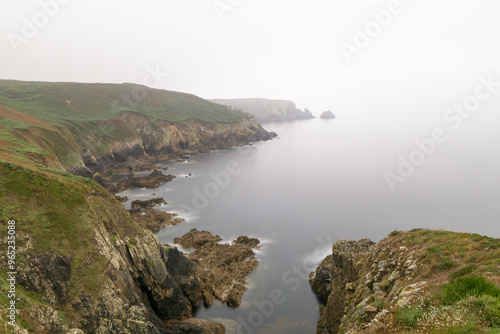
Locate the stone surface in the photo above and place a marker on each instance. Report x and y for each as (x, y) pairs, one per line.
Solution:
(327, 115)
(153, 180)
(154, 219)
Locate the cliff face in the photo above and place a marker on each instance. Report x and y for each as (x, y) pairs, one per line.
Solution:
(84, 265)
(266, 110)
(399, 284)
(165, 140)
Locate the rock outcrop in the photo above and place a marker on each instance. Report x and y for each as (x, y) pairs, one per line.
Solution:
(151, 181)
(327, 115)
(196, 239)
(154, 219)
(367, 288)
(225, 265)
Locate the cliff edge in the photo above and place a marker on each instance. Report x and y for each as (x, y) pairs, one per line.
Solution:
(422, 281)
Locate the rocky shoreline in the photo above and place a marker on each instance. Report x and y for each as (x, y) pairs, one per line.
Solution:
(225, 266)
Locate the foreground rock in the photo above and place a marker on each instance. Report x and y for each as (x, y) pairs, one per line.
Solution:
(225, 266)
(154, 219)
(151, 181)
(395, 285)
(327, 115)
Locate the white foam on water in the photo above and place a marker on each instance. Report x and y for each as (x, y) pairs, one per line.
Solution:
(316, 256)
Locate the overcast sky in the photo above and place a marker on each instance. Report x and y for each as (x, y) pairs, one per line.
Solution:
(426, 54)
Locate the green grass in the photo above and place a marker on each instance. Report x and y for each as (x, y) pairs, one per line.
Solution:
(58, 103)
(470, 286)
(464, 270)
(59, 212)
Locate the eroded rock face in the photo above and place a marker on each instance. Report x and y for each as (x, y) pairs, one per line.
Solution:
(361, 281)
(148, 285)
(224, 267)
(164, 141)
(332, 276)
(47, 273)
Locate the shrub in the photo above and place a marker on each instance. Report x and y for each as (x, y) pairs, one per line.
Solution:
(394, 233)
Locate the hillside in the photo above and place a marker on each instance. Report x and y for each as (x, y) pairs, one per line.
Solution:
(266, 110)
(421, 281)
(83, 264)
(87, 128)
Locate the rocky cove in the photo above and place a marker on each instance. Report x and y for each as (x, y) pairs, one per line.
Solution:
(85, 265)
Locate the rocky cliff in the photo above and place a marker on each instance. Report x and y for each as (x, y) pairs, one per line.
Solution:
(84, 266)
(266, 110)
(89, 128)
(419, 281)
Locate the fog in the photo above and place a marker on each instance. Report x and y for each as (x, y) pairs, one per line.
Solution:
(397, 65)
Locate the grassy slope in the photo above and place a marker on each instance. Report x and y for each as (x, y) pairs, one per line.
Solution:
(57, 212)
(56, 118)
(58, 103)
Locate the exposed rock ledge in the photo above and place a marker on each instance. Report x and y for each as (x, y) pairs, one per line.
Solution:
(151, 181)
(225, 266)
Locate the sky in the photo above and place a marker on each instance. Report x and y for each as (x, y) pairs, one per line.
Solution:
(363, 56)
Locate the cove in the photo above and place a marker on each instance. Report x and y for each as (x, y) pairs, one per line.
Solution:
(320, 181)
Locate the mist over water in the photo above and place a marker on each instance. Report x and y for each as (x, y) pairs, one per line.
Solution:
(320, 181)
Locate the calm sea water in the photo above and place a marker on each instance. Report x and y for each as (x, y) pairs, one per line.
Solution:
(320, 181)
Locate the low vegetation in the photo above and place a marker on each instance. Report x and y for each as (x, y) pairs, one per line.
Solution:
(463, 295)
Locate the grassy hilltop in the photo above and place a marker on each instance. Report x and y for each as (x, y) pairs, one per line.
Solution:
(58, 103)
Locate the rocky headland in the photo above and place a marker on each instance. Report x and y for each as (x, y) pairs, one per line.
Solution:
(421, 281)
(267, 110)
